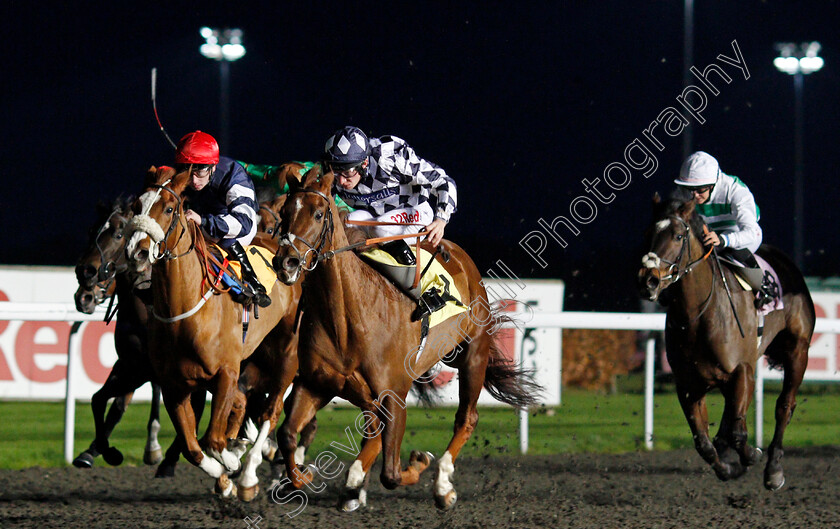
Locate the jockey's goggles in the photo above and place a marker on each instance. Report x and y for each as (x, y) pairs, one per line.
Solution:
(700, 189)
(344, 170)
(202, 171)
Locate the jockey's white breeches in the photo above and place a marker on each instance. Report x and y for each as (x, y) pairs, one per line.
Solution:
(421, 215)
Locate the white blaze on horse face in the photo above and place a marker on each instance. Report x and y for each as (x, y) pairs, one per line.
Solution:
(651, 260)
(662, 225)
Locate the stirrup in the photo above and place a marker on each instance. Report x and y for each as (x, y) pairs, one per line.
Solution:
(428, 303)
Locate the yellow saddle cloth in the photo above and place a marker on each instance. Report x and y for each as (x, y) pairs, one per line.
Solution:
(260, 259)
(436, 276)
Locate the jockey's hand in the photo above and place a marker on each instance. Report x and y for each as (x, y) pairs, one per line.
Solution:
(435, 230)
(711, 239)
(193, 216)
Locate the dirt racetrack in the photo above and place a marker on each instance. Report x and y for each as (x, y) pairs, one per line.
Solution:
(637, 490)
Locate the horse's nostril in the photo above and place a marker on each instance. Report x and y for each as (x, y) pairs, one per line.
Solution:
(291, 264)
(652, 282)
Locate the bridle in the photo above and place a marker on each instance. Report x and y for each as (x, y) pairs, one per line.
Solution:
(276, 228)
(675, 271)
(159, 250)
(108, 268)
(314, 249)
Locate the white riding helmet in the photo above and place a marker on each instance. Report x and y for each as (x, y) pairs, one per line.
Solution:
(699, 169)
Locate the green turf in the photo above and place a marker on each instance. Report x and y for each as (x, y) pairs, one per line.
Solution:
(32, 433)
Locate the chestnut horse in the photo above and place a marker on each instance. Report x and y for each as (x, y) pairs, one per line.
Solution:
(710, 347)
(357, 342)
(197, 340)
(102, 273)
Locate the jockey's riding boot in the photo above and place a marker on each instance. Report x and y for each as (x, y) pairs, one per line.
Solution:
(400, 251)
(249, 277)
(757, 280)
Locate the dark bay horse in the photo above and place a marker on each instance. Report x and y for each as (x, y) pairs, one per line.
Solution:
(357, 342)
(102, 273)
(706, 347)
(197, 339)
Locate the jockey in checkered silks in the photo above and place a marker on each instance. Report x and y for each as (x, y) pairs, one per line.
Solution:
(384, 180)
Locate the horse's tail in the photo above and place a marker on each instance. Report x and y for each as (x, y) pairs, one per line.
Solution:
(428, 395)
(505, 380)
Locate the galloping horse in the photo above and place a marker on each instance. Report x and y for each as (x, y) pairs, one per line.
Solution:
(710, 347)
(102, 273)
(197, 340)
(356, 342)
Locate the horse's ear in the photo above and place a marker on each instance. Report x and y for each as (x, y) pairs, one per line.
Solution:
(151, 177)
(687, 209)
(656, 198)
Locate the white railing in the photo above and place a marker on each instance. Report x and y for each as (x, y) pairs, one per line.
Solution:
(563, 320)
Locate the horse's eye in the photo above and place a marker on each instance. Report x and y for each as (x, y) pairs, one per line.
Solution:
(319, 215)
(679, 236)
(169, 209)
(269, 231)
(118, 236)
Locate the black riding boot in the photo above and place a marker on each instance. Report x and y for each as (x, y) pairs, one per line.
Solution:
(762, 283)
(400, 251)
(249, 277)
(403, 278)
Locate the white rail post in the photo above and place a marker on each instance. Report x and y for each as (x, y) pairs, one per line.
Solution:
(759, 405)
(650, 357)
(70, 396)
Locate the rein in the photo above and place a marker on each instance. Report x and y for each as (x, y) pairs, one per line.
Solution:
(287, 239)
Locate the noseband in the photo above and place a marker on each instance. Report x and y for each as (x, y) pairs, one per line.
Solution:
(159, 250)
(288, 238)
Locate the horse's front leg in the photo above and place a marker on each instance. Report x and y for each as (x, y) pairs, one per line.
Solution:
(166, 469)
(300, 408)
(392, 413)
(226, 391)
(272, 407)
(153, 453)
(738, 395)
(694, 407)
(178, 405)
(354, 494)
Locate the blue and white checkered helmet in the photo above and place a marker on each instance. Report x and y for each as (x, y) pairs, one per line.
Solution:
(347, 147)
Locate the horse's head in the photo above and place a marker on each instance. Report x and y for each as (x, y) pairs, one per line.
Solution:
(671, 243)
(269, 214)
(98, 266)
(307, 225)
(158, 224)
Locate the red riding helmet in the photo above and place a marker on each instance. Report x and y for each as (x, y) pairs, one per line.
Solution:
(197, 148)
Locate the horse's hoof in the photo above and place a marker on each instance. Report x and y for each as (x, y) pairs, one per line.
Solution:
(225, 487)
(153, 457)
(84, 460)
(754, 457)
(446, 501)
(112, 456)
(248, 493)
(775, 481)
(165, 471)
(351, 505)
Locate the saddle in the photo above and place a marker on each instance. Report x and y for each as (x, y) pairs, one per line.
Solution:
(229, 273)
(770, 282)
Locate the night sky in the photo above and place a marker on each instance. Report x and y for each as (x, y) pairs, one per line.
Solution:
(520, 102)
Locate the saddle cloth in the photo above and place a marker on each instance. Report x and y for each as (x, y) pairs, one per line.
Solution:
(777, 303)
(436, 276)
(260, 259)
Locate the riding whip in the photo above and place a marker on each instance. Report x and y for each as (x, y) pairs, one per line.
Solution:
(154, 107)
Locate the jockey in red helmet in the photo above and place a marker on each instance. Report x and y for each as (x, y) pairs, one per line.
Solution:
(222, 201)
